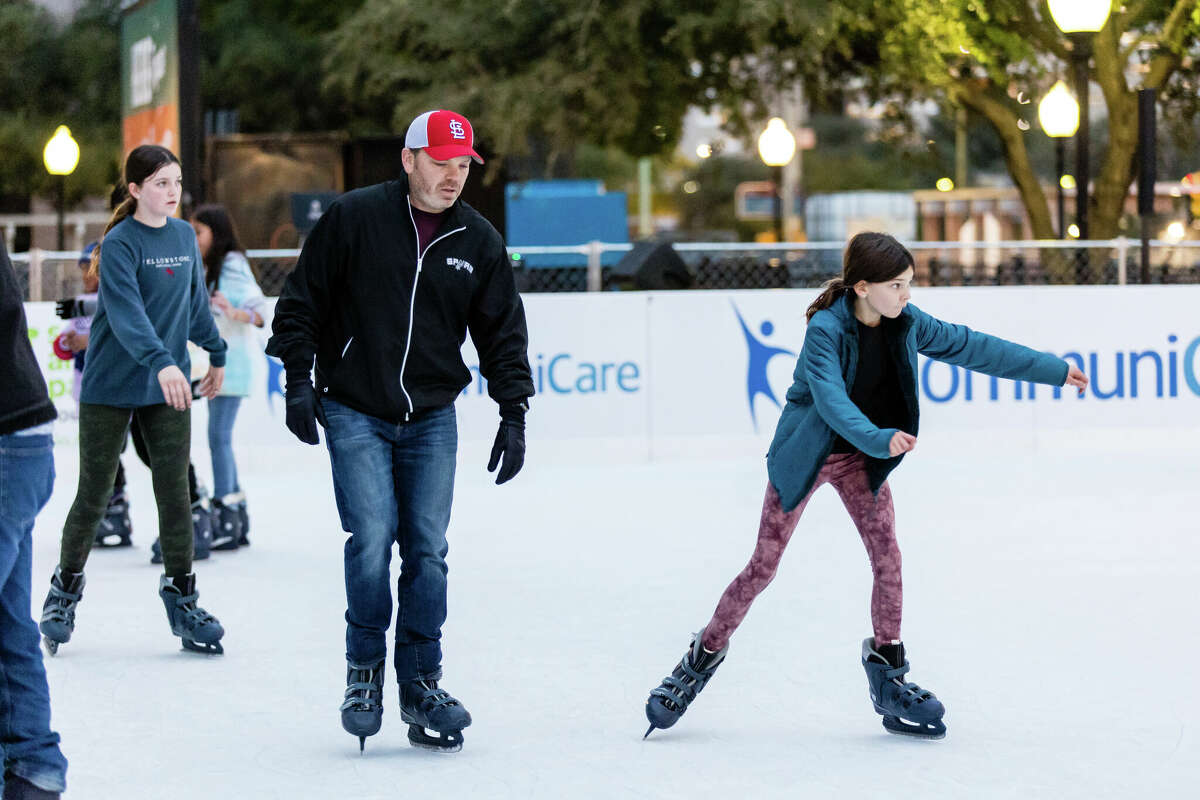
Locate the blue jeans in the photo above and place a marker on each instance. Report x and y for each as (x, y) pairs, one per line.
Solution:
(394, 484)
(222, 411)
(28, 746)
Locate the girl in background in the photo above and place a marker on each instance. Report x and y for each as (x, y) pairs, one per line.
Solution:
(238, 306)
(850, 417)
(151, 302)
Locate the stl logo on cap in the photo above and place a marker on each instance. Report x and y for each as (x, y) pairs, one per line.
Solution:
(443, 134)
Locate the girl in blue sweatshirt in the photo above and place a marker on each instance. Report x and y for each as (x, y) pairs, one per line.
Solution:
(151, 302)
(850, 417)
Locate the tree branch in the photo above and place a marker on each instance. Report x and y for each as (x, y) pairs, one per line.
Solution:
(1043, 30)
(984, 98)
(1170, 42)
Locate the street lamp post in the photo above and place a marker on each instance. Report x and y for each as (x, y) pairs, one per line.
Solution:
(1080, 20)
(61, 156)
(1059, 114)
(776, 147)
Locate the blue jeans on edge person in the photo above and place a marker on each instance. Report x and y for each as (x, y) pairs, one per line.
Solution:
(28, 746)
(222, 413)
(394, 484)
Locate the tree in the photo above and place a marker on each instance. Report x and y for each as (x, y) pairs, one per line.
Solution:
(998, 58)
(611, 73)
(53, 74)
(263, 58)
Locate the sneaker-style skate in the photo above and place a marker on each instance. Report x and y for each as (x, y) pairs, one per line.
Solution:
(667, 703)
(226, 522)
(426, 708)
(200, 630)
(115, 529)
(907, 709)
(58, 612)
(362, 710)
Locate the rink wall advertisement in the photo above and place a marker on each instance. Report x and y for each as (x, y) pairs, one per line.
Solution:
(669, 374)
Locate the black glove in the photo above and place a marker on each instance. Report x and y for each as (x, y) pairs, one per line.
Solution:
(67, 308)
(303, 410)
(510, 441)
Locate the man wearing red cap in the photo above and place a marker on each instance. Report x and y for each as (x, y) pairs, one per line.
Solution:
(388, 284)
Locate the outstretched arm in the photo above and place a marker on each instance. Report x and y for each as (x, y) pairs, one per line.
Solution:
(981, 352)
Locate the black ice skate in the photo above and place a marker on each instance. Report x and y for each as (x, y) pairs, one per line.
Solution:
(116, 529)
(907, 709)
(667, 703)
(58, 612)
(425, 708)
(362, 710)
(200, 630)
(226, 522)
(244, 516)
(17, 788)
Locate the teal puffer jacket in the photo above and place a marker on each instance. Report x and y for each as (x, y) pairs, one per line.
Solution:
(819, 406)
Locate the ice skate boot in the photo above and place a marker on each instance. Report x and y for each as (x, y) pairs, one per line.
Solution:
(226, 522)
(667, 703)
(426, 708)
(17, 788)
(200, 630)
(907, 709)
(362, 710)
(115, 529)
(244, 541)
(58, 612)
(201, 534)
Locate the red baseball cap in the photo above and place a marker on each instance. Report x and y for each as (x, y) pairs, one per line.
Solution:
(443, 134)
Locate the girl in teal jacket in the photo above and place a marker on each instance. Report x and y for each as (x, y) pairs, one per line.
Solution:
(850, 417)
(239, 308)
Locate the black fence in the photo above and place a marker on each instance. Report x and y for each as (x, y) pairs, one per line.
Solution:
(47, 276)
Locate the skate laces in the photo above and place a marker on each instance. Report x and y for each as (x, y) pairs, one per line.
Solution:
(60, 605)
(193, 615)
(677, 692)
(908, 689)
(434, 698)
(361, 692)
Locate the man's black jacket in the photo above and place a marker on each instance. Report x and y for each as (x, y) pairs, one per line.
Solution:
(24, 401)
(385, 324)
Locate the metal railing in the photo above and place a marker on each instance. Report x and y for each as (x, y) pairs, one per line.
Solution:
(46, 275)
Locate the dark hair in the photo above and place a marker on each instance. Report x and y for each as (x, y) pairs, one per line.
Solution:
(142, 162)
(871, 257)
(224, 240)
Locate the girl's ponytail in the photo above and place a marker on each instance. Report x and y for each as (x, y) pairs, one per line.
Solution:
(127, 207)
(830, 292)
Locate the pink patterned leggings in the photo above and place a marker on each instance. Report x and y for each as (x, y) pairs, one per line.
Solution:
(876, 522)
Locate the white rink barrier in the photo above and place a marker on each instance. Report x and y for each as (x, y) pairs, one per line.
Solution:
(639, 376)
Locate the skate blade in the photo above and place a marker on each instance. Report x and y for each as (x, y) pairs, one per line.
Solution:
(899, 727)
(50, 645)
(214, 649)
(447, 742)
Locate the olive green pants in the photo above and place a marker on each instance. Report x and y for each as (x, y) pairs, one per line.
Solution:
(168, 435)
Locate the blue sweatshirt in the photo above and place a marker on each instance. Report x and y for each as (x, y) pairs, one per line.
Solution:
(152, 301)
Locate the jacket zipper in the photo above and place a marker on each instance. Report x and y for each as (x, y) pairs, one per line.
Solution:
(412, 301)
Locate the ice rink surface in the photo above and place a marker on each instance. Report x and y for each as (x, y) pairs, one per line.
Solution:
(1050, 603)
